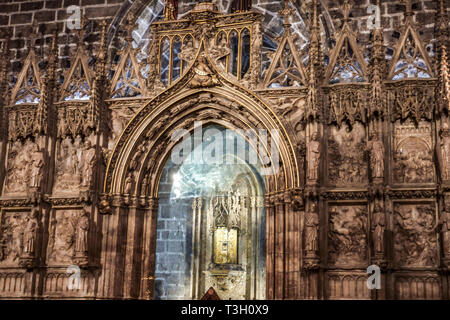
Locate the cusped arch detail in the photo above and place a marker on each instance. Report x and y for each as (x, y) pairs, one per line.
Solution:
(144, 146)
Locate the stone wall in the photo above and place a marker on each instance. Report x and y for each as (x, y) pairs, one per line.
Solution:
(16, 17)
(174, 232)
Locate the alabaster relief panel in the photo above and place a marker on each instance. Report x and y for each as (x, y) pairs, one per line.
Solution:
(347, 163)
(24, 166)
(12, 232)
(413, 156)
(347, 235)
(67, 236)
(75, 163)
(68, 165)
(415, 242)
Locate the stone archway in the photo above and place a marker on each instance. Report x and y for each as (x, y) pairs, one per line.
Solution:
(135, 167)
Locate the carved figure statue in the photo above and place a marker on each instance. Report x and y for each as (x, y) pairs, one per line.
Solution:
(445, 222)
(379, 223)
(29, 234)
(313, 157)
(445, 151)
(89, 158)
(81, 234)
(37, 162)
(376, 149)
(312, 229)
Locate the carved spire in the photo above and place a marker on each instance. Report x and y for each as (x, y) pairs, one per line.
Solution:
(129, 28)
(346, 9)
(102, 53)
(48, 83)
(4, 69)
(444, 72)
(315, 64)
(127, 80)
(286, 13)
(408, 11)
(78, 79)
(33, 35)
(377, 69)
(4, 63)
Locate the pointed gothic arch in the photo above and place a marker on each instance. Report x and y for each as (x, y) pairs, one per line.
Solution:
(177, 107)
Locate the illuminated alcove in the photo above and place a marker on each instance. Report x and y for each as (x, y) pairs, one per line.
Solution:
(211, 220)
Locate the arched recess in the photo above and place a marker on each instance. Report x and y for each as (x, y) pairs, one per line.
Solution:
(225, 102)
(139, 157)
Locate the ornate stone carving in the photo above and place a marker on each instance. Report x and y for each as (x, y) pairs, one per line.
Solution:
(62, 233)
(445, 152)
(89, 159)
(347, 235)
(347, 162)
(29, 238)
(376, 149)
(313, 158)
(81, 245)
(24, 171)
(312, 232)
(378, 228)
(12, 229)
(415, 241)
(445, 228)
(203, 75)
(68, 166)
(413, 160)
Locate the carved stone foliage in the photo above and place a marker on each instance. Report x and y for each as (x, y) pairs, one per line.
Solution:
(21, 122)
(413, 158)
(415, 243)
(24, 168)
(347, 157)
(347, 235)
(63, 236)
(11, 232)
(347, 105)
(413, 101)
(73, 120)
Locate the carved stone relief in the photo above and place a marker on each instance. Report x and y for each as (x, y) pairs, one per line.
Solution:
(413, 159)
(347, 158)
(24, 169)
(415, 242)
(347, 235)
(68, 166)
(12, 230)
(63, 236)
